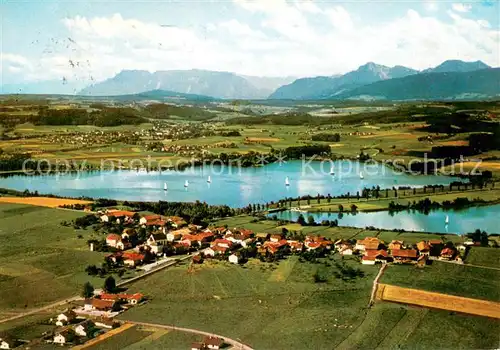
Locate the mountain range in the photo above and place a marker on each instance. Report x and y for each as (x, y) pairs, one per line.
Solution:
(344, 85)
(452, 79)
(200, 82)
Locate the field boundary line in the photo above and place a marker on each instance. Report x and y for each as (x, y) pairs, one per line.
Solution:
(234, 343)
(104, 336)
(441, 301)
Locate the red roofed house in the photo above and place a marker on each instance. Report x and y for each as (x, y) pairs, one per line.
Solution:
(423, 247)
(221, 242)
(215, 250)
(119, 215)
(447, 254)
(177, 234)
(213, 342)
(150, 218)
(404, 255)
(132, 259)
(395, 245)
(296, 246)
(99, 304)
(368, 243)
(368, 260)
(312, 245)
(115, 241)
(377, 255)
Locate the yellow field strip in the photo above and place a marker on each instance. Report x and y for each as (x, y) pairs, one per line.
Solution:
(104, 336)
(438, 301)
(42, 201)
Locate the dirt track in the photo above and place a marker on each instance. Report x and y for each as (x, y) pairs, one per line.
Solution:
(438, 301)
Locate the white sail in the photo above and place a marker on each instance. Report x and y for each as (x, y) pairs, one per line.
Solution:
(331, 171)
(361, 175)
(209, 180)
(165, 187)
(287, 181)
(186, 184)
(447, 220)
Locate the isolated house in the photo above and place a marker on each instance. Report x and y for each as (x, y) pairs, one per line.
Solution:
(213, 342)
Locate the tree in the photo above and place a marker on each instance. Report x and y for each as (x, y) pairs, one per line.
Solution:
(354, 208)
(341, 208)
(109, 284)
(311, 221)
(301, 220)
(88, 290)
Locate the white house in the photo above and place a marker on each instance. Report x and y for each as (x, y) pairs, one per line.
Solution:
(366, 260)
(346, 251)
(84, 328)
(66, 336)
(233, 258)
(113, 240)
(8, 343)
(65, 318)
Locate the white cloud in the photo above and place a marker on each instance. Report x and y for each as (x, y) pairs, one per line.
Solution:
(461, 7)
(276, 38)
(340, 18)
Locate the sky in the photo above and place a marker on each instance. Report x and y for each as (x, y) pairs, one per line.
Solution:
(83, 42)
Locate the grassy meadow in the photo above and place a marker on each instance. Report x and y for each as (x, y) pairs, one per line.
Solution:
(270, 306)
(484, 256)
(41, 261)
(447, 278)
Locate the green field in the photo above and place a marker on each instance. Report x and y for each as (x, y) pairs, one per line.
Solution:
(484, 256)
(266, 305)
(41, 261)
(392, 326)
(441, 277)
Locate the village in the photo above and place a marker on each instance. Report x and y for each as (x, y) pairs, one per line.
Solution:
(172, 236)
(146, 243)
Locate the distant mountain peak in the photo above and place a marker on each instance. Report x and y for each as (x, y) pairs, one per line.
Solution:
(457, 66)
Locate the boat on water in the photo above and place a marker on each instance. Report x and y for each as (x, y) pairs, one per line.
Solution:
(209, 180)
(165, 187)
(447, 220)
(332, 172)
(287, 181)
(361, 175)
(186, 184)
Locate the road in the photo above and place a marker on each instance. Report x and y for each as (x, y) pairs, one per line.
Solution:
(375, 284)
(236, 344)
(78, 298)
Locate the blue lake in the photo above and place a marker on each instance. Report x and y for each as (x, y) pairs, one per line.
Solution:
(460, 221)
(235, 187)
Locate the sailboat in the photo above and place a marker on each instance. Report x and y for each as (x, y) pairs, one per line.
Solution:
(287, 181)
(165, 187)
(209, 180)
(331, 171)
(361, 175)
(186, 184)
(447, 220)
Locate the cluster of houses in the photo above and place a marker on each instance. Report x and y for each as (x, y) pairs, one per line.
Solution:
(94, 318)
(373, 250)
